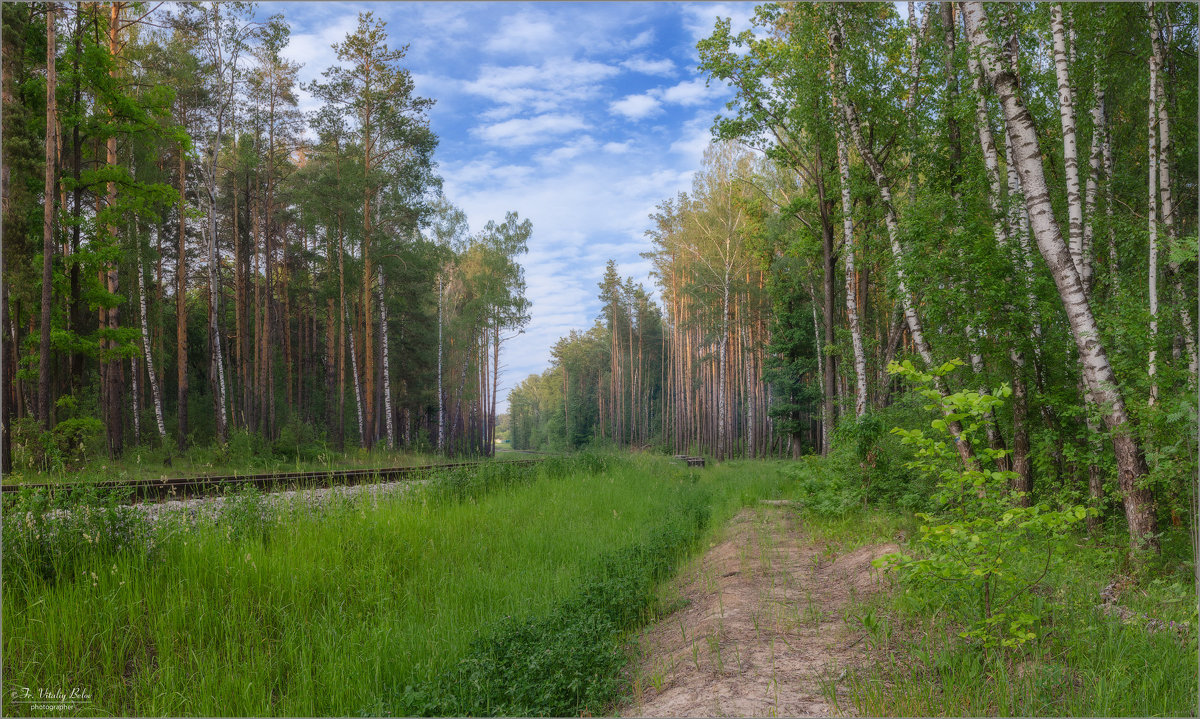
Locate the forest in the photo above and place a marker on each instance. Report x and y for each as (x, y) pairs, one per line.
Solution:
(900, 421)
(191, 261)
(1022, 200)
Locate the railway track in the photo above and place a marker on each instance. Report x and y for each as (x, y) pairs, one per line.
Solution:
(182, 487)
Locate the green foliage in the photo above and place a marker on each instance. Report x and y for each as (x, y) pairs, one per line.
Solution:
(827, 490)
(971, 546)
(69, 444)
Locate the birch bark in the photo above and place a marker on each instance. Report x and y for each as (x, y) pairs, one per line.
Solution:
(850, 116)
(860, 359)
(387, 381)
(1097, 370)
(1066, 110)
(154, 393)
(1165, 194)
(1152, 218)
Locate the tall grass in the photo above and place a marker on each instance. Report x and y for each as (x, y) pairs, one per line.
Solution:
(301, 611)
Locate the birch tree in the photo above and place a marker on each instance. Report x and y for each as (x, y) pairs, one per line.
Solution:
(1097, 370)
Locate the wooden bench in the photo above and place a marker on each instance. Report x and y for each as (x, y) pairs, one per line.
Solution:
(691, 461)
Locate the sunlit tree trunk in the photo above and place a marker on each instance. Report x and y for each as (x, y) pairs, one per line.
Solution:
(358, 398)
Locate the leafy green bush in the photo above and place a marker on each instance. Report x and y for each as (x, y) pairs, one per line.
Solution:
(69, 443)
(298, 441)
(975, 545)
(871, 464)
(826, 490)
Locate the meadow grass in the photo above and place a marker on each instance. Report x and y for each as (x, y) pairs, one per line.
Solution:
(296, 611)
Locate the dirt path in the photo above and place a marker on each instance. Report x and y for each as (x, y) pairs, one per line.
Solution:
(762, 630)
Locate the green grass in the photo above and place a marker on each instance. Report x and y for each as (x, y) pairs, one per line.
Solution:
(329, 613)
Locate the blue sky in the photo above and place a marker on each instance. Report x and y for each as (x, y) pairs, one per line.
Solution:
(579, 116)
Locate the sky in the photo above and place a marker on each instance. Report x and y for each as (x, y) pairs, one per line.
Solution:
(578, 116)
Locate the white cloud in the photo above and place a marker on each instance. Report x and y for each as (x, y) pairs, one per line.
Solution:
(663, 66)
(635, 107)
(643, 38)
(542, 88)
(694, 137)
(617, 148)
(522, 33)
(691, 92)
(523, 131)
(568, 151)
(700, 18)
(314, 52)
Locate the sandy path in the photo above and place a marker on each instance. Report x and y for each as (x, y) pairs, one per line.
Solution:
(762, 632)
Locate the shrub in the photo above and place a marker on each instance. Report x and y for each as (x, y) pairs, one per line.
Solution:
(976, 544)
(68, 444)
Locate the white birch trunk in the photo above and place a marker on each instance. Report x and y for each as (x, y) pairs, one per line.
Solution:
(133, 401)
(1152, 135)
(154, 393)
(1097, 371)
(987, 144)
(1165, 195)
(1086, 266)
(860, 359)
(387, 379)
(441, 442)
(358, 399)
(890, 220)
(214, 334)
(1107, 158)
(820, 370)
(1066, 111)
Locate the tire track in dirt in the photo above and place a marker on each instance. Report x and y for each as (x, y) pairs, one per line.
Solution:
(761, 631)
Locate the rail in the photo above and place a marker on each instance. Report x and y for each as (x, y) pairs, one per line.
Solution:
(180, 487)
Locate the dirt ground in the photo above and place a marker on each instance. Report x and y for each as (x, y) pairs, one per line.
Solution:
(764, 629)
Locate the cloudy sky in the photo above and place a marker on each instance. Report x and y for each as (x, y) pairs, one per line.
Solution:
(578, 116)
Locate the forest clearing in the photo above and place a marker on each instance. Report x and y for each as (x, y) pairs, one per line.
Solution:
(747, 359)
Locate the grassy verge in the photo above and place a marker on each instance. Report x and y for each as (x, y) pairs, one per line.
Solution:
(294, 611)
(1085, 662)
(1136, 660)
